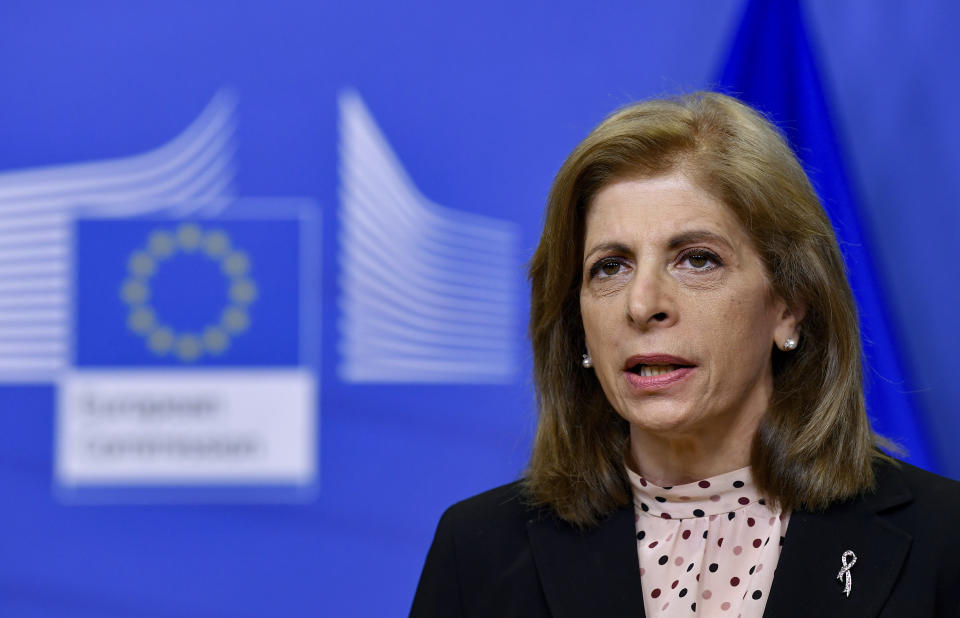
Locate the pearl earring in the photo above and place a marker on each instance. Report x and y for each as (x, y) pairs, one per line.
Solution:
(789, 344)
(587, 362)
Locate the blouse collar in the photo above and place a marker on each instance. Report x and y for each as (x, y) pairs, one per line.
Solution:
(716, 495)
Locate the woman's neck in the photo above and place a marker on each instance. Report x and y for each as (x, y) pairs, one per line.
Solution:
(675, 460)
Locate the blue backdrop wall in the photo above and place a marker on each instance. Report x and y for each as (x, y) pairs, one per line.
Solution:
(462, 115)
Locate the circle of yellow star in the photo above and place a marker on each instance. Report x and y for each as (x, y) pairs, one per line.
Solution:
(143, 264)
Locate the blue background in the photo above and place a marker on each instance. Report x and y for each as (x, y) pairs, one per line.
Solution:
(481, 104)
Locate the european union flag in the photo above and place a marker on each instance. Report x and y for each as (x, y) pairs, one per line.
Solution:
(169, 293)
(772, 67)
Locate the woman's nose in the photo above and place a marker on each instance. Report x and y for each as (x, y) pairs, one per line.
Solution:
(650, 299)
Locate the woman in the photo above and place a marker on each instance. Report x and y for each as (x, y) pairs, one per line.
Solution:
(703, 446)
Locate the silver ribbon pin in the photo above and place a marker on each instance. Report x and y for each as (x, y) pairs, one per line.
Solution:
(844, 574)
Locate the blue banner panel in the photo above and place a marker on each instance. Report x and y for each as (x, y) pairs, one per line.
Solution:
(429, 134)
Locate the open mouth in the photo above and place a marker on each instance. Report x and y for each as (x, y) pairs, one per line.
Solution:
(649, 371)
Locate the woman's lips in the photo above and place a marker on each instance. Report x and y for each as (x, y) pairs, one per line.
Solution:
(651, 372)
(657, 382)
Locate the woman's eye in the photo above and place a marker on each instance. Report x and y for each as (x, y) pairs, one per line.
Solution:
(610, 268)
(607, 267)
(700, 260)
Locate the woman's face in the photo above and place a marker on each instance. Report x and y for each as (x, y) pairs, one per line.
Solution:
(679, 318)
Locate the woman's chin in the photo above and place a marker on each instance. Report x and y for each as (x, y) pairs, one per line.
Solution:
(663, 421)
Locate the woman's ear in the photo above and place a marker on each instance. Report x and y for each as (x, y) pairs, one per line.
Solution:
(786, 333)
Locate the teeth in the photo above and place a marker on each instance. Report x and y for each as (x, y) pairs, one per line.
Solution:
(655, 370)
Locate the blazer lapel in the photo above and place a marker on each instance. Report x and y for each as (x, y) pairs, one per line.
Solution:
(806, 581)
(592, 572)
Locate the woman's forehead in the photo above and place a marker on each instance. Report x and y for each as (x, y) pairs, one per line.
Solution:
(659, 209)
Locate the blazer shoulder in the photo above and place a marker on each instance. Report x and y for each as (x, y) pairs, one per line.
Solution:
(925, 489)
(480, 562)
(924, 504)
(493, 508)
(925, 507)
(490, 530)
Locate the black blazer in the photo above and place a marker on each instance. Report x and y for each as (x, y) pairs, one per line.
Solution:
(493, 556)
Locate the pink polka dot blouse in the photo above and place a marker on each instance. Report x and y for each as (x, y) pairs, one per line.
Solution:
(707, 548)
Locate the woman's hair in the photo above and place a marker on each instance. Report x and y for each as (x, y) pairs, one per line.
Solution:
(814, 446)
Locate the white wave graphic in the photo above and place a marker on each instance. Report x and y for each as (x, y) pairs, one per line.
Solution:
(428, 293)
(193, 173)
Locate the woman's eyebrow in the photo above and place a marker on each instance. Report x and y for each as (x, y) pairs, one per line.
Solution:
(613, 247)
(697, 236)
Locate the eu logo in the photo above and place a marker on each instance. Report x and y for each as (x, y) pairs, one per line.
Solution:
(162, 292)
